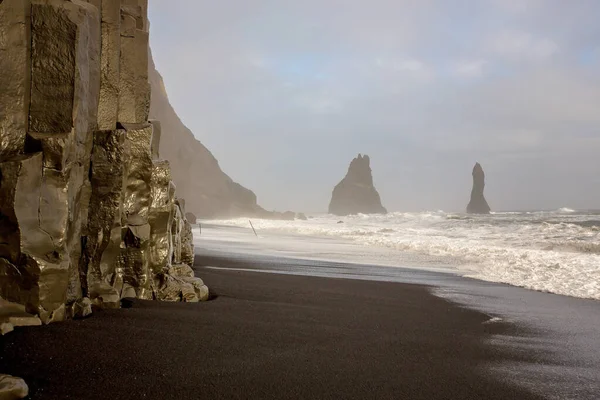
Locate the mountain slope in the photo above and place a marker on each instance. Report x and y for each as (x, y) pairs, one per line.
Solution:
(208, 191)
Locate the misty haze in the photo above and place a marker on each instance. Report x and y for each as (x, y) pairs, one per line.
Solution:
(285, 93)
(286, 199)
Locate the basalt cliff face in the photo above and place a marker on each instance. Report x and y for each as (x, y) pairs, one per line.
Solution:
(88, 212)
(356, 192)
(478, 204)
(210, 193)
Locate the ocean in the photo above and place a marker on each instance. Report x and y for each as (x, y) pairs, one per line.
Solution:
(552, 251)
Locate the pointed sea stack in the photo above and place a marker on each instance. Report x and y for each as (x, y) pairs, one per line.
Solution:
(478, 204)
(356, 193)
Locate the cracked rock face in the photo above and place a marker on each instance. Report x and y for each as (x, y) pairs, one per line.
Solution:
(478, 204)
(88, 212)
(161, 217)
(103, 240)
(356, 192)
(15, 64)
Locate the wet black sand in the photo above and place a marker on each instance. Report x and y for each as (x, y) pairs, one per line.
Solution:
(269, 336)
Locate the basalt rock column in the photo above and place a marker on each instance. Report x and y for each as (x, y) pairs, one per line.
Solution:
(356, 192)
(478, 204)
(62, 74)
(176, 230)
(136, 208)
(108, 106)
(65, 71)
(187, 238)
(134, 88)
(103, 241)
(161, 218)
(79, 224)
(15, 66)
(33, 266)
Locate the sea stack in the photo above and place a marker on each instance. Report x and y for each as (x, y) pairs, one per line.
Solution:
(356, 193)
(478, 204)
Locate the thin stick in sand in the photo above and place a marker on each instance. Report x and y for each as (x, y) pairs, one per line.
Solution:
(254, 230)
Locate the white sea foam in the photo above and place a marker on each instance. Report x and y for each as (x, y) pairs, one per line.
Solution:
(555, 251)
(566, 210)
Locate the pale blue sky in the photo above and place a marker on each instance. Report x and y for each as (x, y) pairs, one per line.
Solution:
(286, 93)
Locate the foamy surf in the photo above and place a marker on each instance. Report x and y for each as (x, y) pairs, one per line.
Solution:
(553, 251)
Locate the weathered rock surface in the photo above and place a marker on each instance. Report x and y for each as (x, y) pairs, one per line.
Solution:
(88, 214)
(108, 106)
(356, 192)
(478, 204)
(191, 218)
(13, 315)
(34, 259)
(156, 134)
(103, 240)
(15, 64)
(161, 217)
(134, 87)
(12, 388)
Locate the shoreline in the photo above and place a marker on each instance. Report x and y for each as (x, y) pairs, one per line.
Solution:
(554, 253)
(270, 336)
(351, 331)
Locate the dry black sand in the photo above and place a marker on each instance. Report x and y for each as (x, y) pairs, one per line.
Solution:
(268, 336)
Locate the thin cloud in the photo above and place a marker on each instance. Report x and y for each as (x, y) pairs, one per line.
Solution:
(285, 93)
(522, 44)
(470, 68)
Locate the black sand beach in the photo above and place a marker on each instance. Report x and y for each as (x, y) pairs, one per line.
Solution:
(268, 336)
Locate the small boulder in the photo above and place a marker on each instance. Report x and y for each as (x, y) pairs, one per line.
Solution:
(103, 295)
(12, 388)
(181, 271)
(81, 308)
(6, 327)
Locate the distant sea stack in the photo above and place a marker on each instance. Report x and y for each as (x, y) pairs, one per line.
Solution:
(356, 193)
(478, 204)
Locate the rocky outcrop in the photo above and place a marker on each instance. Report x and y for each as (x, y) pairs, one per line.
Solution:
(88, 213)
(356, 193)
(12, 388)
(478, 204)
(210, 193)
(191, 218)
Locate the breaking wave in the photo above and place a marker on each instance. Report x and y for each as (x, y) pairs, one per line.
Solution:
(554, 251)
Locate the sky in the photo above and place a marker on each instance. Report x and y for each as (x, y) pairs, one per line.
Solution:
(286, 92)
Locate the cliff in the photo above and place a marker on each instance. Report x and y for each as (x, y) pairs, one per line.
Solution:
(356, 192)
(210, 193)
(478, 204)
(88, 213)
